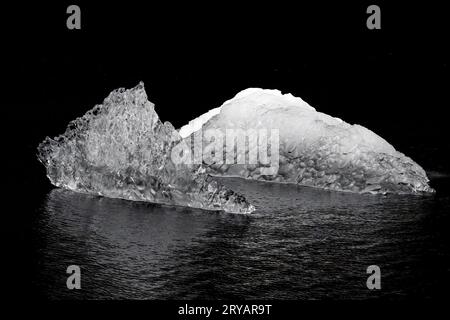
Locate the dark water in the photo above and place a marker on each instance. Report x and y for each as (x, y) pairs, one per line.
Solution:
(301, 243)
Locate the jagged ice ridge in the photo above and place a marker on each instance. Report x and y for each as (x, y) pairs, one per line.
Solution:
(121, 149)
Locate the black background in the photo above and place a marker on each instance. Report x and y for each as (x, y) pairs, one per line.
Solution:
(192, 56)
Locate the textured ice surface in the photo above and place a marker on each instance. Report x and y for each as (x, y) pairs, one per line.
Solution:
(315, 149)
(121, 149)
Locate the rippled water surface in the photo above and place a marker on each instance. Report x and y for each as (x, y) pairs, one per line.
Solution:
(301, 243)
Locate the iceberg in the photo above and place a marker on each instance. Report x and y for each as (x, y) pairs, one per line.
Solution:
(313, 149)
(121, 149)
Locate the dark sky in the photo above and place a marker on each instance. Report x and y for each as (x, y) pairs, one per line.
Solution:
(192, 57)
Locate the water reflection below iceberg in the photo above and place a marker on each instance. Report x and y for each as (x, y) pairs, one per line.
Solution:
(301, 243)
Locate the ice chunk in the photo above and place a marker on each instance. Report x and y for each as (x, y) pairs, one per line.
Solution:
(121, 149)
(315, 149)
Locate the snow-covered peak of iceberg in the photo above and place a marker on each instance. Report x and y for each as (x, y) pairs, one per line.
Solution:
(267, 98)
(258, 108)
(197, 123)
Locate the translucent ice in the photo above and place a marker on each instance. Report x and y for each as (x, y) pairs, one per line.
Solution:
(315, 149)
(121, 149)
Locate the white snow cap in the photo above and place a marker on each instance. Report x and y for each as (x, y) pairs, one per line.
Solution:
(270, 94)
(265, 97)
(197, 123)
(296, 120)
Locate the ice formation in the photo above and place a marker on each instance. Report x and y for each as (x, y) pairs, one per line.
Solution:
(315, 149)
(121, 149)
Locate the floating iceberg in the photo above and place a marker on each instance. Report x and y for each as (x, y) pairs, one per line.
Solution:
(314, 149)
(121, 149)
